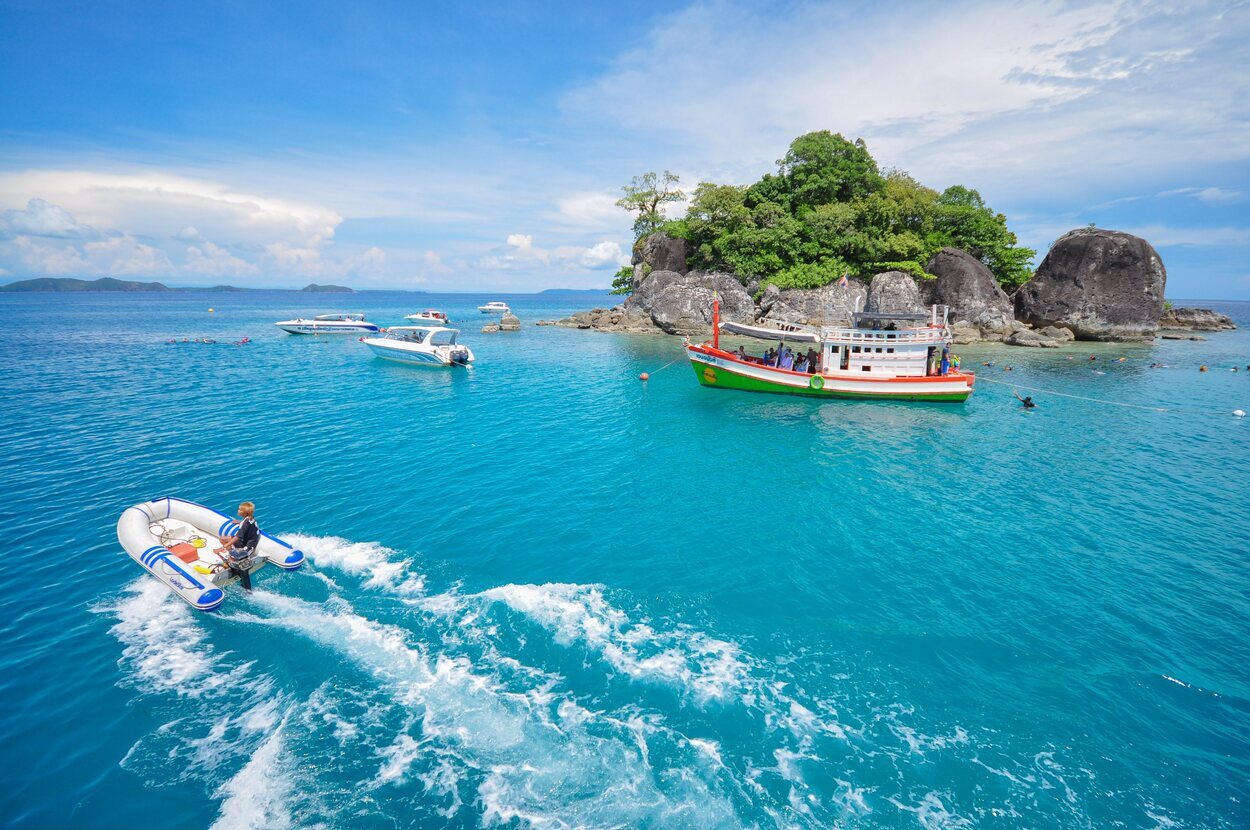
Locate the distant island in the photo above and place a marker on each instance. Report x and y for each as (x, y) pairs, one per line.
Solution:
(328, 289)
(576, 291)
(112, 284)
(75, 284)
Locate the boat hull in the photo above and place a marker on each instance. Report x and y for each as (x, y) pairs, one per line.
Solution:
(414, 355)
(297, 327)
(720, 370)
(191, 578)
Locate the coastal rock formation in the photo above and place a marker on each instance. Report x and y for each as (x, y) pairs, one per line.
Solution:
(1195, 319)
(658, 252)
(894, 292)
(829, 305)
(619, 319)
(682, 303)
(1100, 284)
(1031, 338)
(979, 308)
(490, 328)
(509, 322)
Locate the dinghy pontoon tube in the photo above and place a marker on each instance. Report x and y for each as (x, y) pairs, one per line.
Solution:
(173, 539)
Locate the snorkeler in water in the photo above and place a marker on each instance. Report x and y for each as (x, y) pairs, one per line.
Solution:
(1026, 400)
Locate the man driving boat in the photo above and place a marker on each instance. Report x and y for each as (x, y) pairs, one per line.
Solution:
(241, 547)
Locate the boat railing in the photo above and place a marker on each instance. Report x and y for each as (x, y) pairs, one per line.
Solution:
(849, 335)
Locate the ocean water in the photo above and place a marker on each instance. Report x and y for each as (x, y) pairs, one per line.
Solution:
(541, 593)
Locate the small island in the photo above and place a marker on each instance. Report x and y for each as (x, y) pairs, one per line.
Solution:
(328, 289)
(831, 233)
(75, 284)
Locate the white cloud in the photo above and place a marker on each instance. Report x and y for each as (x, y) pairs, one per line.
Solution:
(162, 205)
(522, 241)
(1015, 98)
(39, 218)
(604, 255)
(590, 210)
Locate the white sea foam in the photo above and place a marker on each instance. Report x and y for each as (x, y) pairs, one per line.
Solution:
(384, 569)
(932, 812)
(164, 645)
(543, 768)
(706, 667)
(258, 796)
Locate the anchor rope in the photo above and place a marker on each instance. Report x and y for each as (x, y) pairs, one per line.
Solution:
(1146, 407)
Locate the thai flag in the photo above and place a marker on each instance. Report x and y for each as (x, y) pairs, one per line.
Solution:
(844, 282)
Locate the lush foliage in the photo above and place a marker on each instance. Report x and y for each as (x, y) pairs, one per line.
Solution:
(623, 280)
(647, 194)
(830, 211)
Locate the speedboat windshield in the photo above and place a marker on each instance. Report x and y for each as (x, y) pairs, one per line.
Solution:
(444, 337)
(340, 318)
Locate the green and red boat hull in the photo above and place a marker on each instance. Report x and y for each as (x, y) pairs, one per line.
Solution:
(723, 370)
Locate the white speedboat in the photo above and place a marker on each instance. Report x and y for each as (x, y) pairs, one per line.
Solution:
(494, 308)
(329, 324)
(422, 346)
(429, 317)
(174, 541)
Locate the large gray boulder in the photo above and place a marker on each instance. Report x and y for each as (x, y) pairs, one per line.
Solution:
(658, 252)
(894, 292)
(829, 305)
(617, 319)
(509, 322)
(1100, 284)
(979, 308)
(1195, 319)
(682, 303)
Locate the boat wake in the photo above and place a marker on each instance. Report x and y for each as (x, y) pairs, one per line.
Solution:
(529, 706)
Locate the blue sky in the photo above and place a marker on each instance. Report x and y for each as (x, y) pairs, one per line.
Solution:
(451, 146)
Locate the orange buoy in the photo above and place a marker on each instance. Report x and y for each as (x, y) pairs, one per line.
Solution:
(644, 376)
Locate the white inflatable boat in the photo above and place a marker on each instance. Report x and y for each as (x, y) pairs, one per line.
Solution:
(174, 539)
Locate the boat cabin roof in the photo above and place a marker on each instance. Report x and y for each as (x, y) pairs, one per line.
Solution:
(340, 317)
(440, 335)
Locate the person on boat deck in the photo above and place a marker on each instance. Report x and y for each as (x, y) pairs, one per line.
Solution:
(800, 365)
(787, 360)
(946, 361)
(241, 547)
(813, 361)
(770, 357)
(741, 353)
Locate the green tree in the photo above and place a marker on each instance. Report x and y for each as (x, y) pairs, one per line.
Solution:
(647, 194)
(822, 167)
(623, 280)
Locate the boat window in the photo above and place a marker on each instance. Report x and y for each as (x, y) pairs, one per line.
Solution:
(890, 350)
(443, 338)
(866, 368)
(855, 349)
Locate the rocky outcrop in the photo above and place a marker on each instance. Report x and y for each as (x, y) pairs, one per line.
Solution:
(490, 328)
(618, 319)
(1031, 338)
(658, 252)
(1100, 284)
(829, 305)
(1195, 319)
(682, 303)
(894, 292)
(979, 308)
(509, 322)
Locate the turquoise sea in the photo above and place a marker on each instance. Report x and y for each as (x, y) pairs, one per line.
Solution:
(541, 593)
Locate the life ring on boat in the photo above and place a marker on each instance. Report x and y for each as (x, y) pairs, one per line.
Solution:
(817, 382)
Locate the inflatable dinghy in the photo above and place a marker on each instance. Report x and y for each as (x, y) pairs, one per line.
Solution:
(174, 539)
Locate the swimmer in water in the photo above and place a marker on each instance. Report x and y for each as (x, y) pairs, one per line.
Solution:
(1026, 400)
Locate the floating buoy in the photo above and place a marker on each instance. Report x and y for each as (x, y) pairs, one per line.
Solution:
(211, 310)
(1239, 413)
(644, 376)
(1202, 368)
